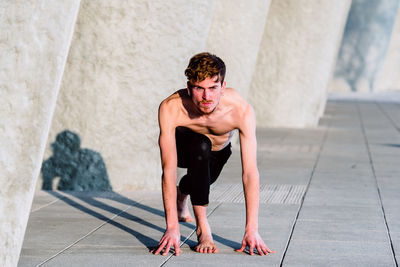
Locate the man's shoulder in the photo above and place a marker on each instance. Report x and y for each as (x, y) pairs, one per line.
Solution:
(174, 100)
(234, 98)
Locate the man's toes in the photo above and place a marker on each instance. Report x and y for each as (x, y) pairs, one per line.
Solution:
(189, 219)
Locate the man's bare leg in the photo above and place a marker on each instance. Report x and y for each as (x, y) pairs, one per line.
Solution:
(182, 205)
(203, 231)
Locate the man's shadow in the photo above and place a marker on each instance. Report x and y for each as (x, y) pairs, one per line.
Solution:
(83, 175)
(79, 169)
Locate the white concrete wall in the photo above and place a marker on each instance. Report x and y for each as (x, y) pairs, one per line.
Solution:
(235, 35)
(34, 42)
(342, 26)
(295, 61)
(125, 57)
(389, 75)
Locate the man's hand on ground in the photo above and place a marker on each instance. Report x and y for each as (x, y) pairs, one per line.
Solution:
(171, 238)
(254, 241)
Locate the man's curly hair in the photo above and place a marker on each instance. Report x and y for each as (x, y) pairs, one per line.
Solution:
(203, 66)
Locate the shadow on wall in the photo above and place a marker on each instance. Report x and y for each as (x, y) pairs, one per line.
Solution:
(365, 42)
(79, 169)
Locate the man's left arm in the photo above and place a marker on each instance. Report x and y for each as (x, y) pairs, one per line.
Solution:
(250, 176)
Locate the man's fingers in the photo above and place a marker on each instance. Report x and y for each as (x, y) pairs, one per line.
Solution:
(177, 249)
(162, 240)
(265, 250)
(167, 249)
(160, 247)
(242, 248)
(251, 249)
(260, 251)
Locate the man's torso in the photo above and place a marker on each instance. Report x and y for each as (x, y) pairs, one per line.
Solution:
(217, 126)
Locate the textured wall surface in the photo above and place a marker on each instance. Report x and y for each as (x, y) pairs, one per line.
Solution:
(365, 43)
(389, 75)
(235, 36)
(34, 42)
(125, 57)
(295, 61)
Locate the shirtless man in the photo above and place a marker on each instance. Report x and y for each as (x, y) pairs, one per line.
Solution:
(196, 125)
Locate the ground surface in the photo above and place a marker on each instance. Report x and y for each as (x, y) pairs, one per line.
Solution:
(329, 197)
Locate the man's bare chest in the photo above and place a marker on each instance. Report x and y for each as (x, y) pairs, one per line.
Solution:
(219, 131)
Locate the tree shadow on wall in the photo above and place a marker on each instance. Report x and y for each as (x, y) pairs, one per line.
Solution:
(365, 41)
(79, 169)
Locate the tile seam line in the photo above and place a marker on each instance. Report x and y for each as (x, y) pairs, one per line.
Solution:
(376, 180)
(83, 237)
(45, 205)
(189, 236)
(388, 117)
(304, 196)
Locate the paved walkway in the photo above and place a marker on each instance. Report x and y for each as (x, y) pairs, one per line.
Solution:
(330, 196)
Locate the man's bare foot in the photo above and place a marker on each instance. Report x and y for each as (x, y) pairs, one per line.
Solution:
(205, 243)
(182, 205)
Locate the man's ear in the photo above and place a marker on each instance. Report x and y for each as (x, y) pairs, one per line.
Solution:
(188, 88)
(223, 86)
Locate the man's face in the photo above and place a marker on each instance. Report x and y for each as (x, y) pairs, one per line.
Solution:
(206, 94)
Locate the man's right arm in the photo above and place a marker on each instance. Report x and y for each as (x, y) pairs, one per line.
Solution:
(171, 237)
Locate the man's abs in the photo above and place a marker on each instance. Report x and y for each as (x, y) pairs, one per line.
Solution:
(218, 142)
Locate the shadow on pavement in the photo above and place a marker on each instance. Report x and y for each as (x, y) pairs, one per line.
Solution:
(150, 243)
(145, 240)
(392, 145)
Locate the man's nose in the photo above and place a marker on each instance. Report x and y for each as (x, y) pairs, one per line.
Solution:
(206, 94)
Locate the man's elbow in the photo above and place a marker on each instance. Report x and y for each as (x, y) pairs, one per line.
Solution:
(250, 176)
(169, 173)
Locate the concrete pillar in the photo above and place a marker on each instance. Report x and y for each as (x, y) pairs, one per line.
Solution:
(125, 57)
(35, 37)
(235, 35)
(364, 46)
(389, 75)
(295, 61)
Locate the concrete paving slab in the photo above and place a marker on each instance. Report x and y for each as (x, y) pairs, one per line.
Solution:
(393, 218)
(338, 253)
(395, 236)
(50, 225)
(42, 200)
(106, 256)
(134, 228)
(273, 176)
(358, 214)
(345, 183)
(366, 231)
(338, 197)
(348, 261)
(220, 259)
(32, 256)
(389, 181)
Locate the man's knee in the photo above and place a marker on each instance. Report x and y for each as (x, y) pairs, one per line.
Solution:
(202, 150)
